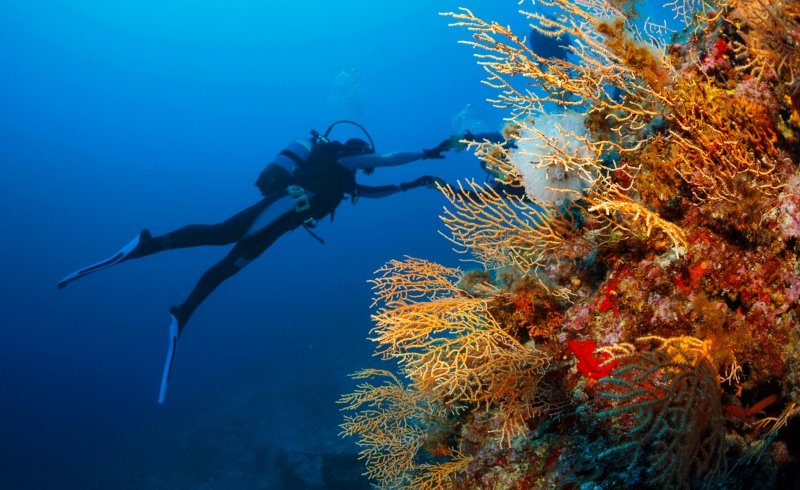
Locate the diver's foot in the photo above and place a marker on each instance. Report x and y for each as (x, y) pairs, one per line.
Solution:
(144, 237)
(130, 250)
(174, 332)
(176, 312)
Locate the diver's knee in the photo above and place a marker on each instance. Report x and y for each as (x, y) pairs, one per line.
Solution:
(240, 263)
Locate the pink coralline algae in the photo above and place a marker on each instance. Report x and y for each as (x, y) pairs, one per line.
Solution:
(788, 219)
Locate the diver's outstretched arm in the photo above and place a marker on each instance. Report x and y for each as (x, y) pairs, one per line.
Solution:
(459, 141)
(362, 162)
(379, 191)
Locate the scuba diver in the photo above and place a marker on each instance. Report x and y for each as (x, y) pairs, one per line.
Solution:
(304, 183)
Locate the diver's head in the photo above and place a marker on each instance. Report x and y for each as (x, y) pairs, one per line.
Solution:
(356, 146)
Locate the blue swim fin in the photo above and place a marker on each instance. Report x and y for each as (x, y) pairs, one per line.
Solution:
(123, 254)
(173, 344)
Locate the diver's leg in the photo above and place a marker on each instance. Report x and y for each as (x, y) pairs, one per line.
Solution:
(268, 227)
(229, 231)
(275, 220)
(257, 238)
(242, 254)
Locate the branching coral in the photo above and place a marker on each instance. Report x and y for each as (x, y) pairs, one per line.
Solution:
(501, 230)
(636, 220)
(453, 347)
(392, 424)
(773, 47)
(637, 330)
(620, 83)
(664, 401)
(590, 81)
(696, 12)
(724, 142)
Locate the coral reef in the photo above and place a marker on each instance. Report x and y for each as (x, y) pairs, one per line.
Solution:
(641, 330)
(553, 181)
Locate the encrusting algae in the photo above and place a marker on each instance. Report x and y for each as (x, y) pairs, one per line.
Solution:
(640, 332)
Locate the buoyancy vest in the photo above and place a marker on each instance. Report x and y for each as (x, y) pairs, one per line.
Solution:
(311, 164)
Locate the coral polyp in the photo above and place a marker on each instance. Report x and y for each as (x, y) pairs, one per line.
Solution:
(640, 329)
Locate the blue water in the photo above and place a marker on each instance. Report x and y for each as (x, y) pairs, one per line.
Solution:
(116, 116)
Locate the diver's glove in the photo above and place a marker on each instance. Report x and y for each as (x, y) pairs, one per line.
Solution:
(426, 180)
(490, 136)
(459, 142)
(436, 151)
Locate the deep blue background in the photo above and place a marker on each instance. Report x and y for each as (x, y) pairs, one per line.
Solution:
(120, 115)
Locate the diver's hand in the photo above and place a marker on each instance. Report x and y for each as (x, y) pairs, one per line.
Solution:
(436, 151)
(431, 182)
(432, 154)
(428, 181)
(490, 136)
(459, 142)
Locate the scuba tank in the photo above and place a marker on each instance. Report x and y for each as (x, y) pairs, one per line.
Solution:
(280, 172)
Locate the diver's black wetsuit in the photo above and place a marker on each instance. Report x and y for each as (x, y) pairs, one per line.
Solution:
(233, 230)
(305, 182)
(256, 228)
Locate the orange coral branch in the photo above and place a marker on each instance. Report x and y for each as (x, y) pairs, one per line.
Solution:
(747, 414)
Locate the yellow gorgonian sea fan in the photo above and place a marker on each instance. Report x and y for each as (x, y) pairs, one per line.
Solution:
(451, 345)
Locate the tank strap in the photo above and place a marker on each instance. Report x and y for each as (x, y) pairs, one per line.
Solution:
(303, 203)
(308, 227)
